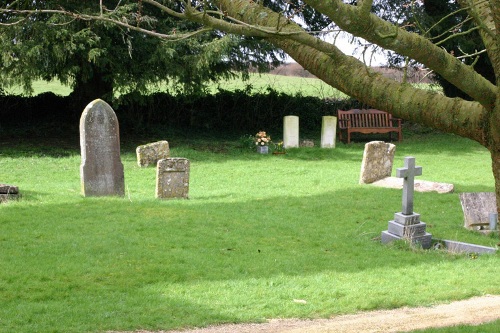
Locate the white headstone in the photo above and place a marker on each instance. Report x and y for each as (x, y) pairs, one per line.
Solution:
(101, 170)
(291, 132)
(328, 131)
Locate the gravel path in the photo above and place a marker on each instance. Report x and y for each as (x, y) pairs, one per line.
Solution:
(473, 311)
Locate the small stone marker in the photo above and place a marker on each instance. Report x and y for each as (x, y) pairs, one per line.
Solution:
(101, 170)
(406, 224)
(307, 143)
(151, 153)
(291, 132)
(328, 131)
(8, 192)
(378, 157)
(477, 208)
(172, 178)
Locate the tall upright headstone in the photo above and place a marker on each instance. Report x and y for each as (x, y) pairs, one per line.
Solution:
(101, 170)
(328, 131)
(172, 178)
(378, 157)
(406, 224)
(291, 132)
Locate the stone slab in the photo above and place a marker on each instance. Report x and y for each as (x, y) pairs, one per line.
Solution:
(151, 153)
(406, 219)
(477, 207)
(425, 241)
(101, 170)
(8, 189)
(408, 231)
(460, 247)
(172, 178)
(378, 158)
(291, 132)
(328, 131)
(420, 185)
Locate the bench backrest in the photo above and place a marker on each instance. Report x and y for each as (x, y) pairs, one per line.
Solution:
(368, 118)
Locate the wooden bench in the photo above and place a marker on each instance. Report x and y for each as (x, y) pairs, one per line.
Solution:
(368, 121)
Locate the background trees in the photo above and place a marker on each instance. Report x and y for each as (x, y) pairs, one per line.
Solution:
(97, 58)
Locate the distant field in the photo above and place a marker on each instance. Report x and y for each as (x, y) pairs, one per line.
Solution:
(259, 83)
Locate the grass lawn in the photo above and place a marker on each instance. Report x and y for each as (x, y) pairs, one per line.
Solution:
(258, 232)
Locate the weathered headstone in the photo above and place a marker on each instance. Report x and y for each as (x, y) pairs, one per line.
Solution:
(378, 157)
(406, 224)
(291, 132)
(101, 170)
(8, 192)
(328, 131)
(151, 153)
(308, 143)
(172, 178)
(477, 208)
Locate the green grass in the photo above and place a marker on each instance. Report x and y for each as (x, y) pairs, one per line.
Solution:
(258, 232)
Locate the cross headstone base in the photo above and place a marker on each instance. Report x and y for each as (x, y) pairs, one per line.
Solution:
(425, 240)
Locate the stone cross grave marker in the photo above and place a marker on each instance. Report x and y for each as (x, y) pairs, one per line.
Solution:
(408, 172)
(328, 131)
(378, 157)
(101, 170)
(291, 132)
(172, 178)
(407, 224)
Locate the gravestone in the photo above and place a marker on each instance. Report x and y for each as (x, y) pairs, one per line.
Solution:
(307, 143)
(8, 192)
(291, 132)
(101, 170)
(477, 208)
(172, 178)
(328, 131)
(151, 153)
(406, 224)
(378, 157)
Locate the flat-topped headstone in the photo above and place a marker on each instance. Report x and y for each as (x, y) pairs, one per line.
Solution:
(151, 153)
(291, 132)
(172, 178)
(328, 131)
(101, 170)
(477, 208)
(378, 158)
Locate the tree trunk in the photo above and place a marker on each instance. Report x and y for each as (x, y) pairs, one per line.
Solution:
(92, 83)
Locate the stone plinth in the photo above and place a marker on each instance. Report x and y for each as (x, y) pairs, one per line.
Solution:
(378, 157)
(101, 170)
(151, 153)
(172, 178)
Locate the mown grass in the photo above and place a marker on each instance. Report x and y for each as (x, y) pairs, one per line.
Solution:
(258, 232)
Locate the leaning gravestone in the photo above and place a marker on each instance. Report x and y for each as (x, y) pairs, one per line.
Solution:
(172, 178)
(477, 208)
(291, 132)
(328, 131)
(8, 192)
(406, 224)
(101, 170)
(151, 153)
(378, 157)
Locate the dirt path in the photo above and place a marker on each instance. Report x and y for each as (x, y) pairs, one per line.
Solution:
(473, 311)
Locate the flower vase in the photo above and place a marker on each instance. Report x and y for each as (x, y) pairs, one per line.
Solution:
(263, 149)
